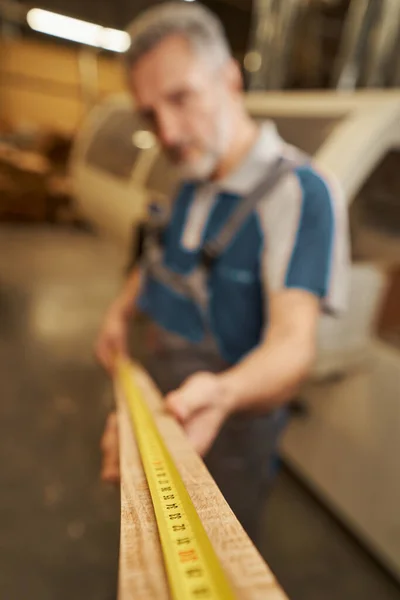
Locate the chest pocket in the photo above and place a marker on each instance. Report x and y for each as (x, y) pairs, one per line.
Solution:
(239, 276)
(236, 298)
(236, 311)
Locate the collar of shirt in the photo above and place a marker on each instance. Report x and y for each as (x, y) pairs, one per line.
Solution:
(265, 151)
(267, 148)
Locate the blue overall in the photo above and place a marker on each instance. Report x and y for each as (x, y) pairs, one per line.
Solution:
(205, 307)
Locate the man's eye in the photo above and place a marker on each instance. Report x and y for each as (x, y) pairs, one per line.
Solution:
(179, 98)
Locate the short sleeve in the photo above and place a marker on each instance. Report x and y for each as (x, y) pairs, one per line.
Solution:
(306, 239)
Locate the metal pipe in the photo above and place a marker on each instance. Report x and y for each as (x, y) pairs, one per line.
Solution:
(383, 57)
(354, 44)
(273, 26)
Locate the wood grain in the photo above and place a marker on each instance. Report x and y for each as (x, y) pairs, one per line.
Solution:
(142, 575)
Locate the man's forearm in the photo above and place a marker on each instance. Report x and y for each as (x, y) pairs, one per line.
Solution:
(270, 375)
(126, 299)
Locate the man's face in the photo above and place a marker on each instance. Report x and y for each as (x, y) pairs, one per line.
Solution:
(188, 104)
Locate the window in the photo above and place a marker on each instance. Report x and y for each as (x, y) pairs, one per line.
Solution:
(162, 178)
(112, 149)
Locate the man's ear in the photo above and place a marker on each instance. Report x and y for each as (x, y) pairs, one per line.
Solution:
(234, 76)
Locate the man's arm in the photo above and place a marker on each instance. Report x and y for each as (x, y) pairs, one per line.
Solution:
(125, 301)
(272, 373)
(112, 338)
(304, 267)
(267, 377)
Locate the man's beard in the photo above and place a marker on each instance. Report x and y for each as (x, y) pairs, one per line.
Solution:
(205, 166)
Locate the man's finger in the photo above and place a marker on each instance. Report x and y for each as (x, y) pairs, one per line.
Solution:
(110, 472)
(183, 403)
(106, 354)
(110, 450)
(174, 406)
(202, 430)
(102, 354)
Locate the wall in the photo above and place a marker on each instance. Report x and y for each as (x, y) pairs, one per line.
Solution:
(41, 83)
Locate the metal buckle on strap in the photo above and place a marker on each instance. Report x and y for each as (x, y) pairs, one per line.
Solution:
(155, 232)
(156, 223)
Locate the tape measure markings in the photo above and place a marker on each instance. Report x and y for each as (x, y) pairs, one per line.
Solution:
(193, 569)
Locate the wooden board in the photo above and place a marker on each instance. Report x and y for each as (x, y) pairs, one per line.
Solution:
(141, 575)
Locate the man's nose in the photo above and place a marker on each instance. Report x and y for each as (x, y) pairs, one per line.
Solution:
(168, 129)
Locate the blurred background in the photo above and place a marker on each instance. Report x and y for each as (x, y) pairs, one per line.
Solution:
(76, 172)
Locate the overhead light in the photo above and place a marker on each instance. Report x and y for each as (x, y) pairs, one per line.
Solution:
(76, 30)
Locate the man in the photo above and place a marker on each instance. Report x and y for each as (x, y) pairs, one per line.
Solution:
(233, 286)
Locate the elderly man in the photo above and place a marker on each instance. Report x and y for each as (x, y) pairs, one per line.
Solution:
(230, 287)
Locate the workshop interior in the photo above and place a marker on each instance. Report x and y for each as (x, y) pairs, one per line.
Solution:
(78, 169)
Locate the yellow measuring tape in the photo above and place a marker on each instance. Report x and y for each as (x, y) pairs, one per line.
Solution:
(193, 569)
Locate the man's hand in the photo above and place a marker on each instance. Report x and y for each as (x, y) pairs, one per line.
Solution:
(112, 339)
(201, 405)
(110, 450)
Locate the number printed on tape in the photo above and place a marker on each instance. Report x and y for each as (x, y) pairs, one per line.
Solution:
(194, 570)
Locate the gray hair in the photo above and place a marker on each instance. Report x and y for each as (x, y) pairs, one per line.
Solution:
(198, 25)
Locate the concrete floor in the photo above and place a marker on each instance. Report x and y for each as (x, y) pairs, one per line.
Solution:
(59, 527)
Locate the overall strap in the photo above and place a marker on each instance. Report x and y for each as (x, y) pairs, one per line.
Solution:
(194, 284)
(216, 246)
